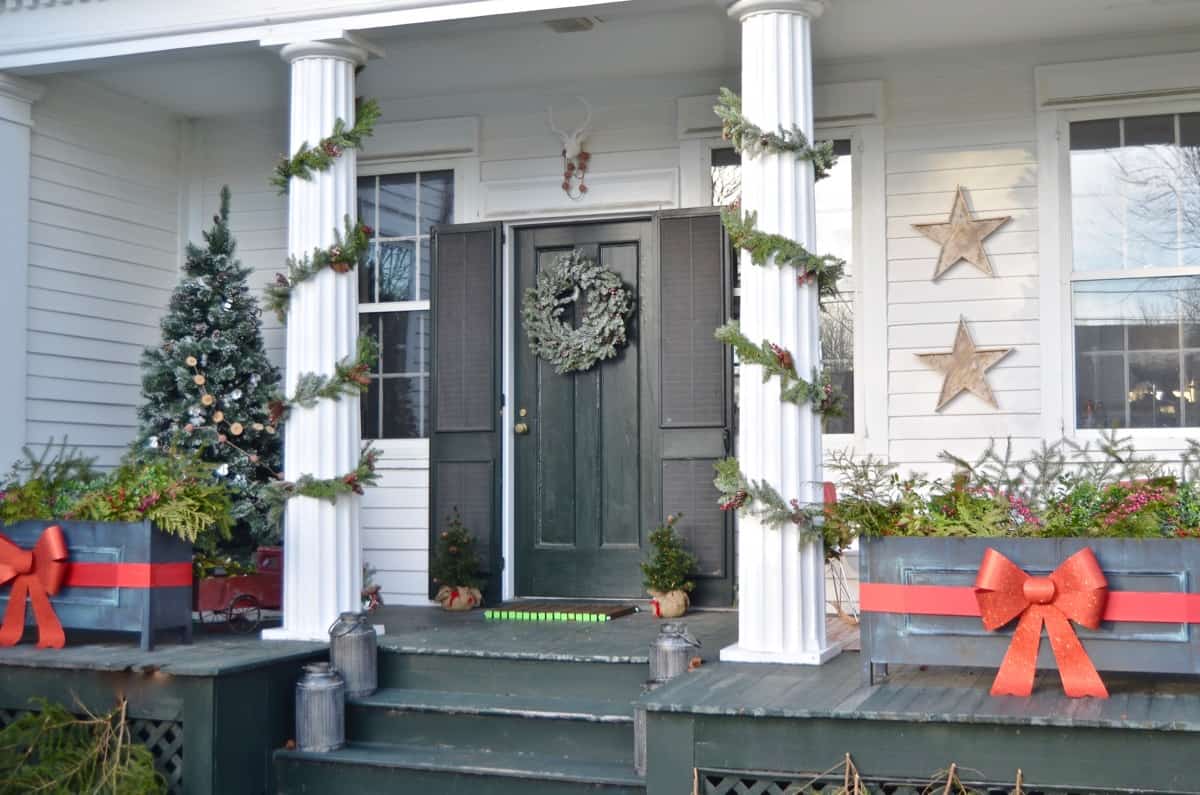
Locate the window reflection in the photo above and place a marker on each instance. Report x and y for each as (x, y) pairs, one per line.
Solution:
(1137, 352)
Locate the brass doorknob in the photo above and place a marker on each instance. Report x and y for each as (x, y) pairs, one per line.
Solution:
(521, 428)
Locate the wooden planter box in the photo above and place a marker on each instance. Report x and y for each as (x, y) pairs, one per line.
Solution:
(137, 608)
(1152, 565)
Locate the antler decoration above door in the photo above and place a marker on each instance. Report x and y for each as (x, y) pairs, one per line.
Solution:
(575, 157)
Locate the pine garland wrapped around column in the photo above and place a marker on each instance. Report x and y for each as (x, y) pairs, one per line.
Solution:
(212, 364)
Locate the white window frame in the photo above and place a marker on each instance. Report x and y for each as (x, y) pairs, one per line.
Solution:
(869, 282)
(466, 179)
(1056, 242)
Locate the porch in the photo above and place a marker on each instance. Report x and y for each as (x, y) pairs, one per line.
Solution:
(470, 705)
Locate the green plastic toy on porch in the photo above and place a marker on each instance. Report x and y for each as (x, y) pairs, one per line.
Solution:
(455, 567)
(666, 572)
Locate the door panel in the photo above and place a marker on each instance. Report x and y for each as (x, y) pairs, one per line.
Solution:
(580, 508)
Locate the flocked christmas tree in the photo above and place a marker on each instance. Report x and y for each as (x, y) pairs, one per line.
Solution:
(208, 385)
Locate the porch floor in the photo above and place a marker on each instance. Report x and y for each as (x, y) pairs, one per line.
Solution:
(422, 630)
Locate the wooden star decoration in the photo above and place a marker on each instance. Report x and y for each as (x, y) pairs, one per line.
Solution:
(965, 367)
(962, 237)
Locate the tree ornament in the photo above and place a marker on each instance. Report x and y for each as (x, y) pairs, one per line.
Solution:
(962, 237)
(965, 367)
(601, 331)
(236, 429)
(198, 379)
(207, 399)
(218, 416)
(191, 360)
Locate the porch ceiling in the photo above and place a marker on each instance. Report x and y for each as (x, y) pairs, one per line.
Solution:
(630, 40)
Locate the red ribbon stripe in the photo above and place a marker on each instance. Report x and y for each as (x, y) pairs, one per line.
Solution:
(128, 575)
(942, 600)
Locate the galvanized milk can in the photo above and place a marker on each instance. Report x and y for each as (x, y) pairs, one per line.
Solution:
(671, 652)
(320, 709)
(353, 651)
(670, 655)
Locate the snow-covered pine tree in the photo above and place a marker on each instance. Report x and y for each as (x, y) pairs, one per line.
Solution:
(207, 386)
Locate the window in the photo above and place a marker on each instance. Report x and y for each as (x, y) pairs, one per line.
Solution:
(835, 235)
(393, 295)
(1135, 209)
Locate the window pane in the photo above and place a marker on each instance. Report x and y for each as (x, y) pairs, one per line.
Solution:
(404, 407)
(366, 275)
(425, 269)
(437, 199)
(368, 326)
(404, 345)
(370, 411)
(726, 173)
(1146, 130)
(837, 357)
(366, 200)
(397, 271)
(1136, 199)
(397, 205)
(1135, 341)
(1099, 134)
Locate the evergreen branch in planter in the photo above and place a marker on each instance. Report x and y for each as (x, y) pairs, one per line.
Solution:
(51, 750)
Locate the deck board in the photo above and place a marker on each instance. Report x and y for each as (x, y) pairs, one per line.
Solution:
(929, 695)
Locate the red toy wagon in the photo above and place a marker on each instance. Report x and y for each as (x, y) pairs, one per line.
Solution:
(241, 598)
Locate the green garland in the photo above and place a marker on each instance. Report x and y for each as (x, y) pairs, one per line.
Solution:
(347, 252)
(309, 159)
(753, 141)
(766, 248)
(778, 361)
(759, 498)
(278, 493)
(351, 376)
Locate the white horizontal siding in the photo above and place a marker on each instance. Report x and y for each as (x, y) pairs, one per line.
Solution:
(995, 162)
(103, 258)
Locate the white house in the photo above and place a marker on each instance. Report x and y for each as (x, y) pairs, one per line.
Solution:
(120, 121)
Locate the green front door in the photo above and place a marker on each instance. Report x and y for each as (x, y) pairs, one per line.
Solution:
(582, 492)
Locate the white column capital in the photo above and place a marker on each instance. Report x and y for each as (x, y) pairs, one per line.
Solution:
(740, 9)
(345, 49)
(17, 96)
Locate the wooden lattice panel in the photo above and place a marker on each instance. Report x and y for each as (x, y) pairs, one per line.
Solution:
(748, 783)
(164, 738)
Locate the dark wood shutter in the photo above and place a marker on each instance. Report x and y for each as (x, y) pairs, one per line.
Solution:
(694, 385)
(464, 467)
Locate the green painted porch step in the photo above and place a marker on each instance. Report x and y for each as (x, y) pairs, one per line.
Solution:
(507, 673)
(574, 729)
(364, 767)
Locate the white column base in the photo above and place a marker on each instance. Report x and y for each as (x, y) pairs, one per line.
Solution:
(736, 653)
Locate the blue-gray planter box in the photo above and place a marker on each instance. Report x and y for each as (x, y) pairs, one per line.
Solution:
(1160, 565)
(141, 610)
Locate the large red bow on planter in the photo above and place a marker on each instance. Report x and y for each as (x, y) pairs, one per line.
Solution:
(38, 573)
(1076, 590)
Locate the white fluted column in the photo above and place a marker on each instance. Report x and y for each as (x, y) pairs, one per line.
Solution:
(16, 118)
(322, 571)
(781, 581)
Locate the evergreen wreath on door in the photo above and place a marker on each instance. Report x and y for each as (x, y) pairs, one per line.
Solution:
(601, 331)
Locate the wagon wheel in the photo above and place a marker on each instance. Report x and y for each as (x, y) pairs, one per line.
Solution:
(243, 613)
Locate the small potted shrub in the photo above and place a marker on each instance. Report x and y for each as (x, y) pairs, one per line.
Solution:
(666, 572)
(455, 567)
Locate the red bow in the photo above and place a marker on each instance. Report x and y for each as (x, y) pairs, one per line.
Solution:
(37, 573)
(1076, 590)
